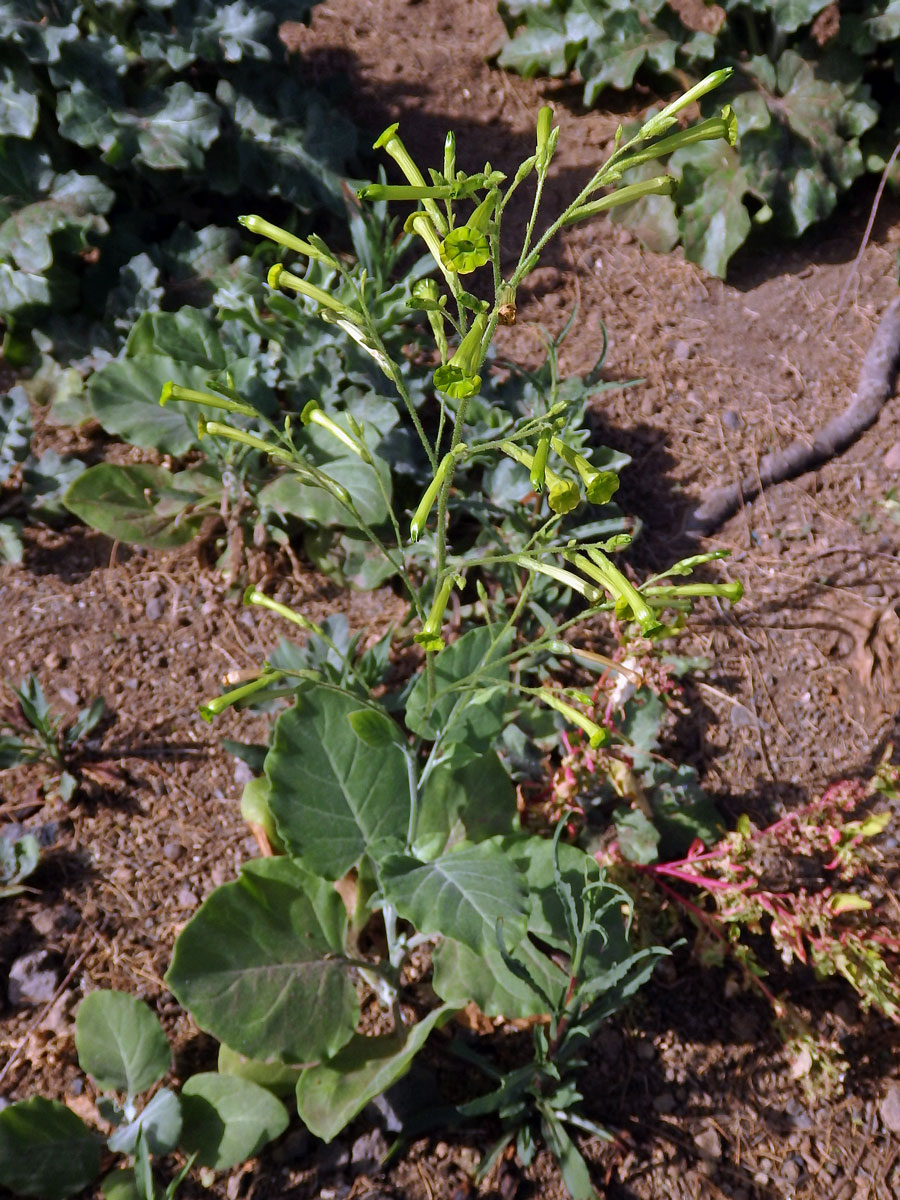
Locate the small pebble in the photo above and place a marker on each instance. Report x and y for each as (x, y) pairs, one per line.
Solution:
(368, 1151)
(172, 851)
(33, 978)
(154, 608)
(664, 1103)
(709, 1143)
(731, 419)
(892, 458)
(69, 696)
(186, 899)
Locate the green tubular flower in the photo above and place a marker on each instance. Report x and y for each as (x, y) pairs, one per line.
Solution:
(217, 429)
(425, 295)
(544, 129)
(253, 596)
(313, 414)
(422, 224)
(599, 485)
(727, 591)
(724, 126)
(220, 703)
(666, 118)
(562, 494)
(660, 185)
(458, 378)
(445, 469)
(391, 144)
(279, 277)
(276, 234)
(450, 155)
(466, 248)
(576, 583)
(597, 736)
(628, 600)
(173, 391)
(409, 191)
(430, 638)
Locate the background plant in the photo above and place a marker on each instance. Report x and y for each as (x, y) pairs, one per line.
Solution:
(390, 803)
(48, 1151)
(126, 126)
(813, 91)
(31, 732)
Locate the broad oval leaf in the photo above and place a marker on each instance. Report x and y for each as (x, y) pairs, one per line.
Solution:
(124, 397)
(124, 503)
(456, 713)
(469, 800)
(46, 1150)
(120, 1043)
(256, 966)
(277, 1078)
(461, 895)
(331, 1094)
(333, 797)
(367, 486)
(227, 1120)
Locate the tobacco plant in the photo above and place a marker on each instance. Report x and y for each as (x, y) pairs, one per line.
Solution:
(390, 805)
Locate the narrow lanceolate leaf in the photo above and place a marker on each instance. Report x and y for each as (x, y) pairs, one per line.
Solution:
(330, 1095)
(333, 797)
(462, 894)
(46, 1150)
(120, 1043)
(257, 965)
(227, 1120)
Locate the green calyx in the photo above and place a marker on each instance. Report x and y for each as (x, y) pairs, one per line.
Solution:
(562, 494)
(459, 378)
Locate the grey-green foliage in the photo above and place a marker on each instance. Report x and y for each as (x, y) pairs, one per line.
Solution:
(813, 89)
(124, 127)
(47, 1151)
(31, 731)
(34, 486)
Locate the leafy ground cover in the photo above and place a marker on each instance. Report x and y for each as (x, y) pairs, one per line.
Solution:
(717, 1077)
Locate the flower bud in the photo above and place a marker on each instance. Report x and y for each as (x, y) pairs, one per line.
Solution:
(173, 391)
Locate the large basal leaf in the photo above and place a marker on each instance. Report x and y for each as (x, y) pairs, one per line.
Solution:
(228, 1120)
(15, 430)
(124, 397)
(462, 976)
(277, 1078)
(713, 219)
(628, 43)
(18, 100)
(331, 1094)
(457, 714)
(257, 965)
(120, 1042)
(122, 502)
(333, 798)
(462, 894)
(545, 44)
(189, 336)
(46, 1150)
(176, 132)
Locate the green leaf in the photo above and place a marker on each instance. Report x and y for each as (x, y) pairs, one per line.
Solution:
(461, 895)
(258, 965)
(333, 797)
(279, 1079)
(331, 1094)
(628, 43)
(547, 44)
(461, 715)
(123, 503)
(176, 132)
(159, 1122)
(288, 495)
(46, 1150)
(120, 1043)
(713, 220)
(468, 801)
(228, 1120)
(638, 836)
(18, 100)
(124, 397)
(789, 15)
(122, 1185)
(189, 335)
